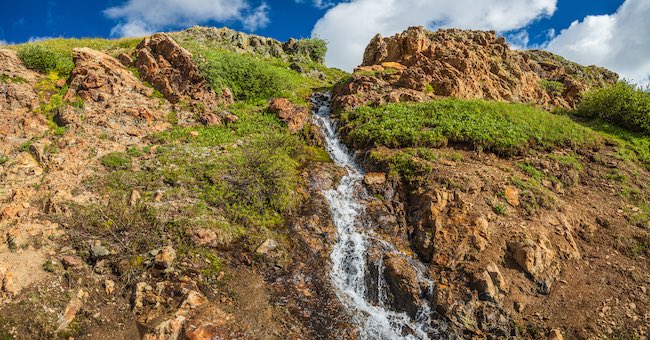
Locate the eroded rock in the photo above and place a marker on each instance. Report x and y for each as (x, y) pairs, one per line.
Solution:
(294, 116)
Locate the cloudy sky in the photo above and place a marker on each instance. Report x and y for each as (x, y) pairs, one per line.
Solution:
(610, 33)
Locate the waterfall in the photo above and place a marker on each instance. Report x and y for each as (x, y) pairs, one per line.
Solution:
(348, 273)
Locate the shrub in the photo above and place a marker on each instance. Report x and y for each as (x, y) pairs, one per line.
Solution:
(315, 48)
(38, 58)
(116, 161)
(622, 104)
(257, 183)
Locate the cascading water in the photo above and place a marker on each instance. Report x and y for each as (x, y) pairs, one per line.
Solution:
(348, 257)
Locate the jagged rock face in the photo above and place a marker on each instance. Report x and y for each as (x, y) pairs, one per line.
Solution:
(17, 103)
(171, 70)
(98, 77)
(465, 64)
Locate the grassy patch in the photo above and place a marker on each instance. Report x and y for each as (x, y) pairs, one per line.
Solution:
(116, 161)
(55, 55)
(533, 195)
(410, 163)
(503, 128)
(253, 78)
(632, 147)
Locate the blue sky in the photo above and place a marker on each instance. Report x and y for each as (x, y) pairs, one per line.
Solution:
(348, 25)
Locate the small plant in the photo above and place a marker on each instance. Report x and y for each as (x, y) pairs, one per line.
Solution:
(552, 87)
(59, 131)
(4, 159)
(500, 209)
(428, 89)
(48, 266)
(116, 161)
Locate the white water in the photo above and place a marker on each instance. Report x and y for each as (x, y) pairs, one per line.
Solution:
(349, 254)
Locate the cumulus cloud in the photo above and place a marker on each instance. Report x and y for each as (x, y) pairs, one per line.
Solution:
(619, 41)
(142, 17)
(3, 42)
(349, 26)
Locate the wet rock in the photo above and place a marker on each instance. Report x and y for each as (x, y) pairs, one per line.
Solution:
(374, 178)
(267, 246)
(165, 257)
(402, 281)
(294, 116)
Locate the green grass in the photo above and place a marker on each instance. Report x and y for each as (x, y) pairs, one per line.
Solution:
(506, 129)
(622, 104)
(116, 161)
(253, 78)
(55, 55)
(632, 147)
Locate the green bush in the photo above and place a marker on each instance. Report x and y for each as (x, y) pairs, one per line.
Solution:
(621, 104)
(315, 48)
(248, 77)
(502, 128)
(116, 161)
(40, 58)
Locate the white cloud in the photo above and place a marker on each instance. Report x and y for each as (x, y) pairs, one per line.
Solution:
(258, 19)
(142, 17)
(320, 4)
(349, 26)
(619, 41)
(3, 42)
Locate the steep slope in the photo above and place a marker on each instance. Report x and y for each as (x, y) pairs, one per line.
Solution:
(529, 223)
(139, 200)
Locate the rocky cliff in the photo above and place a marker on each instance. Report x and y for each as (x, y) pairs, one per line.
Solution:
(418, 65)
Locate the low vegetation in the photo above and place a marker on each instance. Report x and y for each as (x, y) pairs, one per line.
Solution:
(55, 55)
(253, 78)
(506, 129)
(622, 104)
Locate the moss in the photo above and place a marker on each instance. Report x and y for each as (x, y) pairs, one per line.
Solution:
(552, 87)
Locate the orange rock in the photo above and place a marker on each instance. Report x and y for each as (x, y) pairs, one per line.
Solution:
(294, 116)
(374, 178)
(512, 195)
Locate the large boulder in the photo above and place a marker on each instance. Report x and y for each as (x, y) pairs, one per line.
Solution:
(170, 69)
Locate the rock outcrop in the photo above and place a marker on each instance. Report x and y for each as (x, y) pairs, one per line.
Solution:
(170, 69)
(239, 42)
(293, 115)
(418, 64)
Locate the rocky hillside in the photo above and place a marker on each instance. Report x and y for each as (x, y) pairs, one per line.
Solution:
(418, 65)
(172, 187)
(531, 224)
